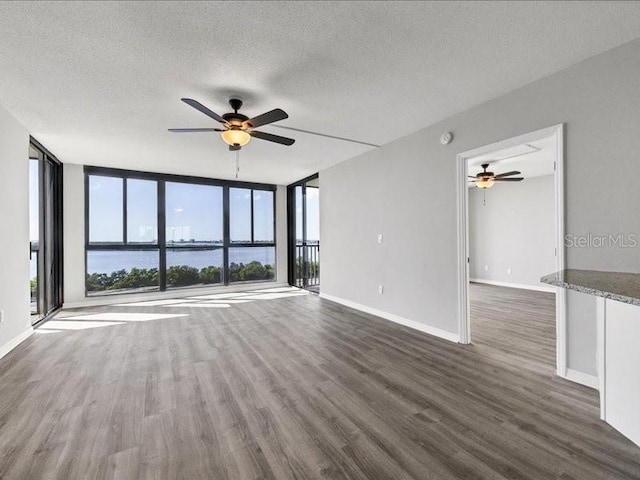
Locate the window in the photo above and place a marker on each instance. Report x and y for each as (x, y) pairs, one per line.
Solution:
(263, 221)
(105, 203)
(142, 211)
(34, 227)
(252, 252)
(194, 233)
(157, 232)
(123, 254)
(117, 271)
(194, 214)
(240, 213)
(251, 263)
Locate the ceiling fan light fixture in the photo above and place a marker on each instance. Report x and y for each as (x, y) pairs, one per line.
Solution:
(235, 137)
(484, 182)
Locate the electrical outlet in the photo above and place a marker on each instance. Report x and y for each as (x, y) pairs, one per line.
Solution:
(380, 238)
(380, 289)
(508, 271)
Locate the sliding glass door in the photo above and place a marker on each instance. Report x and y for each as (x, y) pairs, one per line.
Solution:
(45, 228)
(304, 234)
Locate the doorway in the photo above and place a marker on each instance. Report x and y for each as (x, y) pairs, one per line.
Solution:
(45, 232)
(503, 156)
(304, 233)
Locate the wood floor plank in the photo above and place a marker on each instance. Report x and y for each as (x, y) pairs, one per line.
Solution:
(285, 385)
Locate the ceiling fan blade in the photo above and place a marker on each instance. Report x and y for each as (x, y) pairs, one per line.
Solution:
(201, 108)
(508, 174)
(327, 135)
(274, 115)
(518, 179)
(184, 130)
(272, 138)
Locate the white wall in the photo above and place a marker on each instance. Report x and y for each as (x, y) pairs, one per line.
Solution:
(14, 231)
(73, 231)
(74, 268)
(281, 235)
(514, 230)
(407, 190)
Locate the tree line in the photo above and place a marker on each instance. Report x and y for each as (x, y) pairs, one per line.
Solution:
(177, 276)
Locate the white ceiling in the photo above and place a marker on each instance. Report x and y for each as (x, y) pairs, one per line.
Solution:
(537, 163)
(99, 83)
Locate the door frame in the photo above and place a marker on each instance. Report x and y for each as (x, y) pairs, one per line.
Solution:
(462, 166)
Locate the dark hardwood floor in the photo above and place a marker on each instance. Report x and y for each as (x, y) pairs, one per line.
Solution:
(253, 386)
(517, 325)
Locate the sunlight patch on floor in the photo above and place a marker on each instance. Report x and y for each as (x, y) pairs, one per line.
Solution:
(151, 303)
(201, 305)
(227, 301)
(64, 324)
(87, 321)
(220, 296)
(124, 317)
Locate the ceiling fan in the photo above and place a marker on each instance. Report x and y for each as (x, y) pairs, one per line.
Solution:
(486, 179)
(238, 128)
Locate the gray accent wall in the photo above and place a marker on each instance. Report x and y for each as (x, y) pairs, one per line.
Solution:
(513, 228)
(407, 191)
(14, 228)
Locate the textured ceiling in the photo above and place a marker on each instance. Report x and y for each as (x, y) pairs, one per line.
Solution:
(99, 83)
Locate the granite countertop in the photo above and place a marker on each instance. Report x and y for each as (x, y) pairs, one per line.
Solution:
(623, 287)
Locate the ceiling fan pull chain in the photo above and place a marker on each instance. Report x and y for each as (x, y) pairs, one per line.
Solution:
(484, 197)
(237, 163)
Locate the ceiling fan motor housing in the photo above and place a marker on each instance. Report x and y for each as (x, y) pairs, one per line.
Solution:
(235, 119)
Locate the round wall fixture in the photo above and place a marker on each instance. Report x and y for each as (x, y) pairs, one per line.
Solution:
(446, 138)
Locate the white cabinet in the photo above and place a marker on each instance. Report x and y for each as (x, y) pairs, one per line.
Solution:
(620, 364)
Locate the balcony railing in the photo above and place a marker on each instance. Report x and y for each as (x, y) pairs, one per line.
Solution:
(308, 265)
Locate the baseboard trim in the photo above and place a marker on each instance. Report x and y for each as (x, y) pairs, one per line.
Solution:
(436, 332)
(14, 342)
(536, 288)
(582, 378)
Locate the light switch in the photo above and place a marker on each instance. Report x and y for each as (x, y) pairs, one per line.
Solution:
(380, 238)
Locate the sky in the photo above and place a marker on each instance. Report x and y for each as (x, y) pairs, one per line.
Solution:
(313, 213)
(192, 212)
(34, 196)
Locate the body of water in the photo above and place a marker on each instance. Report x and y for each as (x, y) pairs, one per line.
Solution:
(107, 261)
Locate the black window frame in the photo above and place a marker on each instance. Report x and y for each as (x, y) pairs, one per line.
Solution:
(50, 289)
(161, 245)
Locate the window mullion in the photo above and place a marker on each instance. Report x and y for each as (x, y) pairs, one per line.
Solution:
(162, 236)
(124, 211)
(226, 234)
(253, 240)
